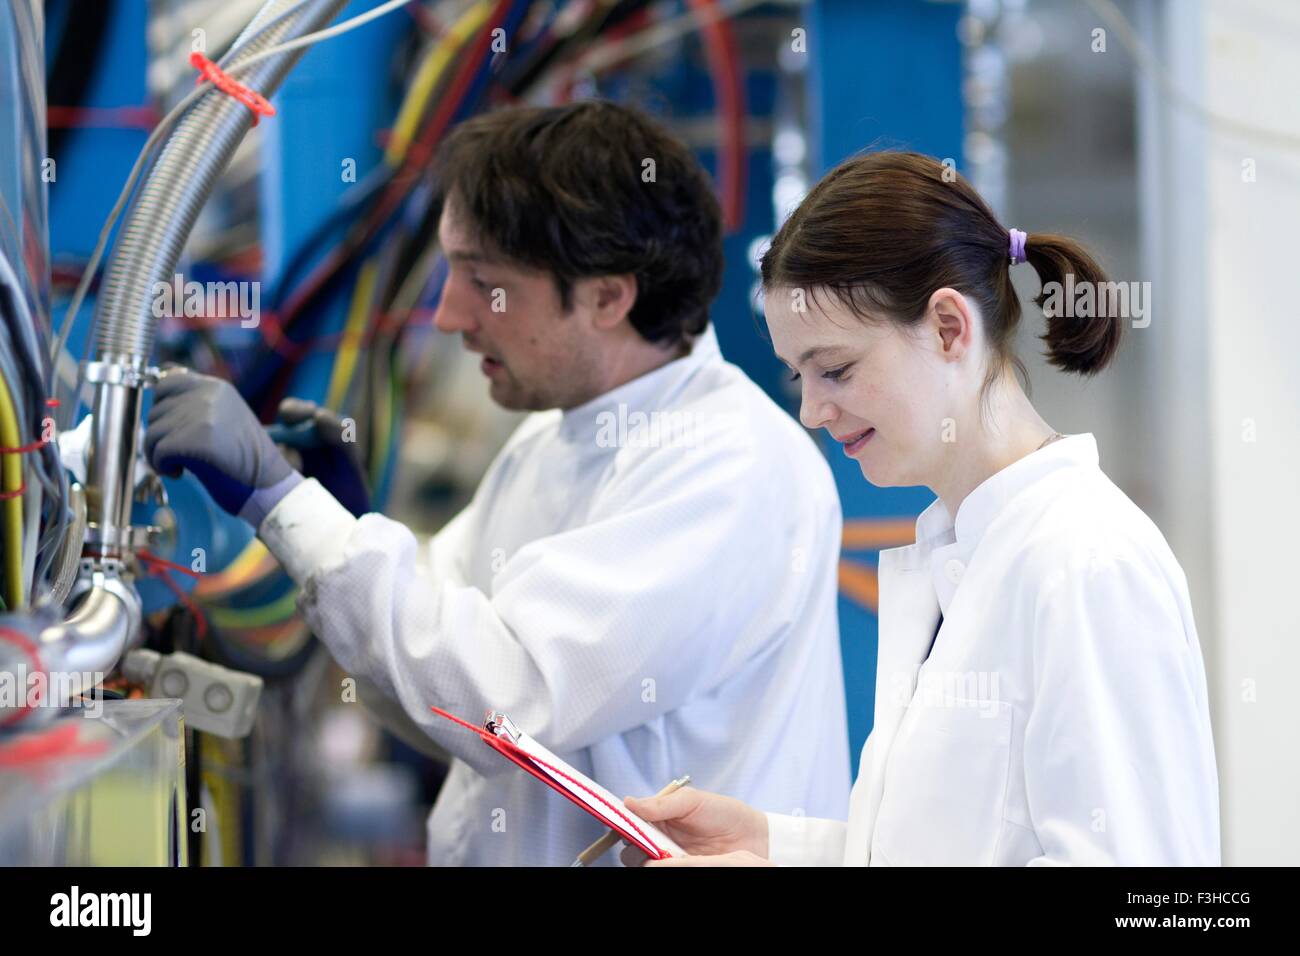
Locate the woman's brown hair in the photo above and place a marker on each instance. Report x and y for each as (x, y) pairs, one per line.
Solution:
(882, 231)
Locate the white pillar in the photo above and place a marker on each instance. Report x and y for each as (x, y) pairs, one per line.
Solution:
(1221, 215)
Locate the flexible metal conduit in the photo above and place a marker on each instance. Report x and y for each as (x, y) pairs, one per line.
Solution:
(162, 216)
(106, 615)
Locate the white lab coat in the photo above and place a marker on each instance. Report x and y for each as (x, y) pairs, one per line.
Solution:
(643, 606)
(1061, 716)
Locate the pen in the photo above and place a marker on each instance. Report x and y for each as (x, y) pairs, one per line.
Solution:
(598, 849)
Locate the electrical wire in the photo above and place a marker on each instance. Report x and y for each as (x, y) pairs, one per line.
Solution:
(28, 379)
(729, 93)
(607, 55)
(346, 362)
(426, 80)
(11, 478)
(312, 38)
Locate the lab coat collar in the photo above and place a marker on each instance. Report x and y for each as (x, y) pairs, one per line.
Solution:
(650, 392)
(982, 505)
(956, 542)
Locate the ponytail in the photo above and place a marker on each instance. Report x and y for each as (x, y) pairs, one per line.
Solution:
(1081, 340)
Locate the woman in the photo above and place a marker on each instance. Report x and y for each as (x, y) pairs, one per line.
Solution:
(1040, 694)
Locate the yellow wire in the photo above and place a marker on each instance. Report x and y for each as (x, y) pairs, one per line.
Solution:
(12, 480)
(240, 572)
(345, 362)
(384, 425)
(426, 79)
(278, 610)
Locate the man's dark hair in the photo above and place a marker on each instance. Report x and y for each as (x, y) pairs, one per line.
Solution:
(568, 190)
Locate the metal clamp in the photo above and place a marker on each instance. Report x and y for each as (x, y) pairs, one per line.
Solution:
(113, 373)
(131, 538)
(502, 726)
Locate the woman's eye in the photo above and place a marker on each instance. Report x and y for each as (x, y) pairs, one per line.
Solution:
(834, 374)
(794, 376)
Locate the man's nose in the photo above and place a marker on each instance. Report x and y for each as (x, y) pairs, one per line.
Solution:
(453, 314)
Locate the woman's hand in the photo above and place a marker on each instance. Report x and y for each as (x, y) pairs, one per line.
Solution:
(726, 831)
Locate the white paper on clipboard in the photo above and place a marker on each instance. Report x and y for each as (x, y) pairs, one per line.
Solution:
(590, 794)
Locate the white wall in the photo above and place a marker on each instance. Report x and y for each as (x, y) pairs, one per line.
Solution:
(1224, 384)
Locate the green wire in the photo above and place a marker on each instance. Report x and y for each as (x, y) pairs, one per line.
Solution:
(277, 611)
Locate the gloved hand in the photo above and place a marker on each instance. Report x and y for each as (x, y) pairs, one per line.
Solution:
(201, 423)
(325, 452)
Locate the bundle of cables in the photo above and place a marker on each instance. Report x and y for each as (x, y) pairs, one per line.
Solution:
(34, 516)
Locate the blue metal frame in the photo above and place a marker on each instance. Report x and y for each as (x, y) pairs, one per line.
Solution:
(884, 73)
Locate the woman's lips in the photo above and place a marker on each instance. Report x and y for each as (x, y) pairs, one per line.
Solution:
(855, 444)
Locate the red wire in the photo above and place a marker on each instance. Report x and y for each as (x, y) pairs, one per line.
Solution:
(33, 652)
(101, 117)
(60, 741)
(161, 568)
(153, 559)
(729, 91)
(22, 449)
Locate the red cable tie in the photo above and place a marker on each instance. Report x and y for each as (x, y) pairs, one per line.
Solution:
(221, 80)
(6, 495)
(23, 449)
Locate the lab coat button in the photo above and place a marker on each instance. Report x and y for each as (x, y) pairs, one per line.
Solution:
(954, 569)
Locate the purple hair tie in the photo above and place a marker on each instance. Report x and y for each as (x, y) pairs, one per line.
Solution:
(1018, 246)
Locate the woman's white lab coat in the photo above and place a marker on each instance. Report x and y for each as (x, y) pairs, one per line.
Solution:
(1061, 716)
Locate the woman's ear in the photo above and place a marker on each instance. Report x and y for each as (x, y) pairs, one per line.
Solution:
(952, 319)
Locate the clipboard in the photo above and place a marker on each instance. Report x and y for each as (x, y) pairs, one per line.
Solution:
(500, 733)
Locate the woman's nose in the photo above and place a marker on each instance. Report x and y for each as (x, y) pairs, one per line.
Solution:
(815, 413)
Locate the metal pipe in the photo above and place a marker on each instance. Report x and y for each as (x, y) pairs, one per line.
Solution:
(88, 642)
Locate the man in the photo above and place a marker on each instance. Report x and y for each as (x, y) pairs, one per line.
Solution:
(645, 579)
